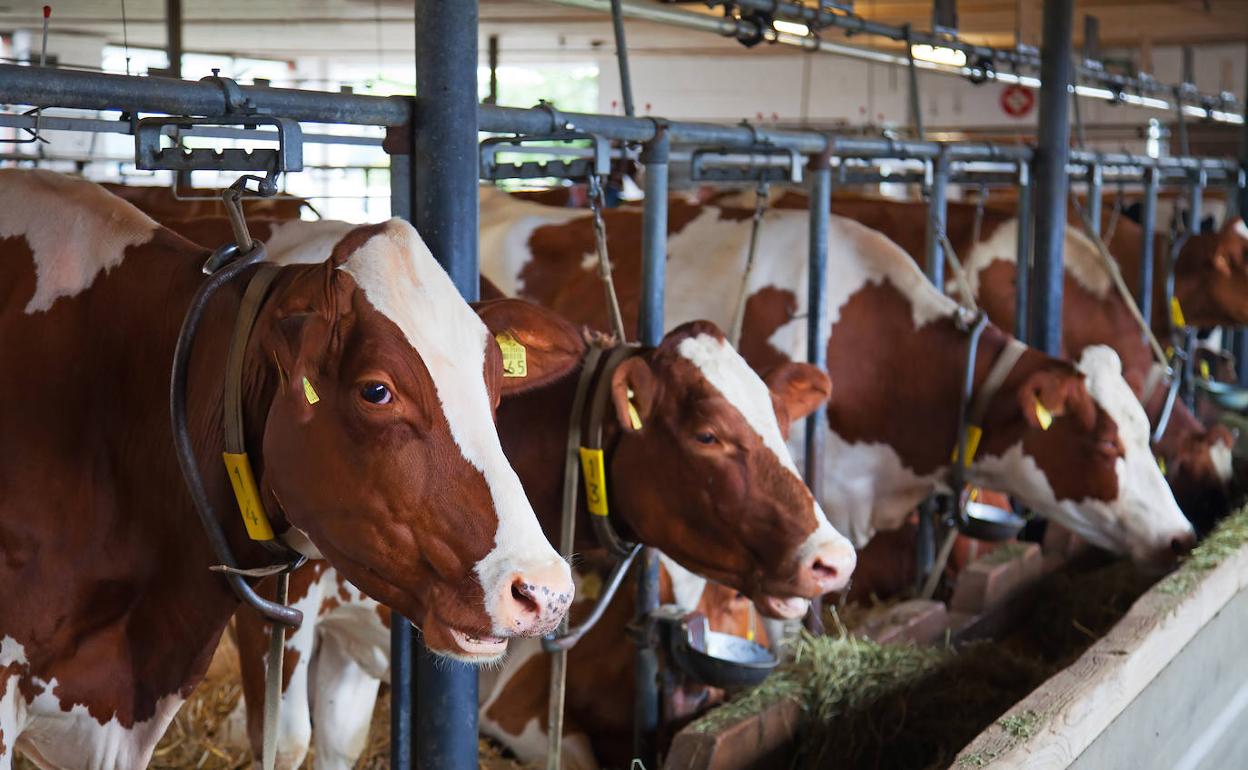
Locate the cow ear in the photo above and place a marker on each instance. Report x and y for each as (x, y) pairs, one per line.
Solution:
(633, 393)
(1052, 393)
(797, 390)
(1229, 251)
(538, 346)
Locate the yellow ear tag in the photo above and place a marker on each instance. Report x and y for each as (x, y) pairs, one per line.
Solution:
(973, 434)
(515, 361)
(238, 467)
(633, 415)
(1043, 416)
(1161, 464)
(1176, 313)
(595, 472)
(309, 392)
(1204, 370)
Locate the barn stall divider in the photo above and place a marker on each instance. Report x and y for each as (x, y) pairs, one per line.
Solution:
(432, 142)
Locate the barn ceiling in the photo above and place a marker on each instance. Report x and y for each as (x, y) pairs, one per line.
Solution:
(362, 28)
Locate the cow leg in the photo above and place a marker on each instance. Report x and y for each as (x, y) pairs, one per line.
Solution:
(343, 695)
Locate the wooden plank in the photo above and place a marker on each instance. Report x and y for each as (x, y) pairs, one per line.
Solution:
(1077, 704)
(765, 739)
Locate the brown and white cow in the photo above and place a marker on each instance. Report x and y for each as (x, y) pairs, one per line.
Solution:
(896, 355)
(109, 613)
(1198, 459)
(707, 479)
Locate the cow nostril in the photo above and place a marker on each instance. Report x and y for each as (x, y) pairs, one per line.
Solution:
(823, 571)
(1182, 545)
(522, 594)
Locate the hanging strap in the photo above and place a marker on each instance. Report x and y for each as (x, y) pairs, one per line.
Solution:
(1115, 274)
(596, 204)
(242, 478)
(1007, 359)
(761, 195)
(567, 540)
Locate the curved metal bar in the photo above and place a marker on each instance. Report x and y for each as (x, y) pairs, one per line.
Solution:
(272, 611)
(1167, 409)
(957, 475)
(556, 643)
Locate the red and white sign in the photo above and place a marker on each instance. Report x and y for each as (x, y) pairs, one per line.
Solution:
(1017, 101)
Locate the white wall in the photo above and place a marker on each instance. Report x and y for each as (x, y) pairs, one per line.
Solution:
(744, 84)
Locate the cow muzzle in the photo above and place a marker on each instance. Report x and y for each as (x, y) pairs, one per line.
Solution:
(532, 601)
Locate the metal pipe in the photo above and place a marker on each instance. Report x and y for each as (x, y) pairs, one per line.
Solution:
(654, 158)
(401, 690)
(1148, 226)
(173, 36)
(1241, 356)
(916, 105)
(492, 59)
(820, 204)
(934, 267)
(1022, 270)
(1095, 182)
(445, 202)
(621, 57)
(100, 126)
(52, 87)
(1051, 180)
(937, 218)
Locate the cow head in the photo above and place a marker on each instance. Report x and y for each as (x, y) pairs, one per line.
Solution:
(1199, 468)
(1091, 467)
(707, 478)
(380, 446)
(1212, 276)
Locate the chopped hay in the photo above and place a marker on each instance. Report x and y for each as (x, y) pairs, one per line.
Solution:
(1226, 538)
(901, 706)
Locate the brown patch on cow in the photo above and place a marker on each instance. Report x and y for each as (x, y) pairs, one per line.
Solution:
(290, 659)
(767, 309)
(352, 241)
(555, 279)
(329, 604)
(383, 613)
(918, 369)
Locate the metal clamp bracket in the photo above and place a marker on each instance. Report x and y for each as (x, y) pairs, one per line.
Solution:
(149, 155)
(760, 164)
(572, 164)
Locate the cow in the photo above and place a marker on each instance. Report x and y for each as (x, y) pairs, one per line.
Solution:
(368, 393)
(896, 351)
(1197, 459)
(706, 478)
(165, 206)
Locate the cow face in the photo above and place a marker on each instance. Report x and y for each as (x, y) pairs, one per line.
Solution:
(1199, 469)
(1215, 267)
(380, 445)
(1093, 469)
(701, 470)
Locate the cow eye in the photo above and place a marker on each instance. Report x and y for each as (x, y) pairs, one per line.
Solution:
(705, 437)
(375, 393)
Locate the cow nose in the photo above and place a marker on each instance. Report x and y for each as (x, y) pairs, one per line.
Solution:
(828, 569)
(1181, 545)
(534, 600)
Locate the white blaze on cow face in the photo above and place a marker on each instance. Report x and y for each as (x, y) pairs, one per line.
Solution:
(75, 229)
(1143, 520)
(727, 372)
(401, 279)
